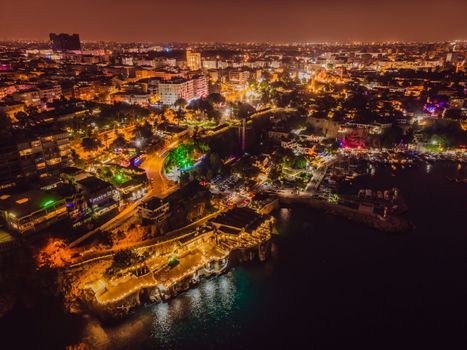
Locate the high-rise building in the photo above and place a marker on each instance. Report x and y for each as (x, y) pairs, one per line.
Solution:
(64, 42)
(171, 90)
(200, 86)
(193, 60)
(239, 77)
(23, 157)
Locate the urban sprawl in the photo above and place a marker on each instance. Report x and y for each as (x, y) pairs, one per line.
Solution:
(130, 171)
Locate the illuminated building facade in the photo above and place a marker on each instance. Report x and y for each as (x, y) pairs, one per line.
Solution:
(239, 77)
(50, 92)
(193, 60)
(101, 195)
(28, 157)
(171, 90)
(32, 211)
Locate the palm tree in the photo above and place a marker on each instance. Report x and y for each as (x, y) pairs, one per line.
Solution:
(180, 104)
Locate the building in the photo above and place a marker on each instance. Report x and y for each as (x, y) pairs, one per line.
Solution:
(50, 92)
(32, 211)
(177, 209)
(171, 131)
(64, 42)
(6, 89)
(240, 220)
(193, 60)
(102, 197)
(83, 91)
(10, 166)
(23, 157)
(210, 64)
(45, 154)
(200, 86)
(28, 97)
(171, 90)
(155, 210)
(239, 77)
(264, 203)
(132, 98)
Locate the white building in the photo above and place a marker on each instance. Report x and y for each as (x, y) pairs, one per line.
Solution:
(171, 90)
(210, 64)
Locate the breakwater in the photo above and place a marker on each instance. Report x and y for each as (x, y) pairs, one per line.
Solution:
(393, 223)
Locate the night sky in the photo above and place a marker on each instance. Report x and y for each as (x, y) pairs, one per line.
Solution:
(236, 20)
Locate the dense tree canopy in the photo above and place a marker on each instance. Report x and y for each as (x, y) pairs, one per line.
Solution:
(90, 143)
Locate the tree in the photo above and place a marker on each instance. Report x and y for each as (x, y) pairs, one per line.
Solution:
(54, 254)
(119, 142)
(215, 115)
(201, 105)
(450, 135)
(5, 122)
(215, 162)
(122, 260)
(275, 173)
(90, 144)
(106, 172)
(391, 136)
(201, 147)
(180, 156)
(21, 116)
(245, 168)
(181, 103)
(216, 98)
(184, 177)
(143, 131)
(244, 110)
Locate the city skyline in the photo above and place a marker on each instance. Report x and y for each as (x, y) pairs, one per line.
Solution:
(260, 174)
(258, 21)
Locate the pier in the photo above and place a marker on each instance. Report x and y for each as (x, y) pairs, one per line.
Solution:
(392, 223)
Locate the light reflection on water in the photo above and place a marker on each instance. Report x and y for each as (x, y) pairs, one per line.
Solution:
(210, 303)
(284, 214)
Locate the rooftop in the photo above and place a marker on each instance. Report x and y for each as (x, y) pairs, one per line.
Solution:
(23, 204)
(153, 203)
(239, 218)
(93, 184)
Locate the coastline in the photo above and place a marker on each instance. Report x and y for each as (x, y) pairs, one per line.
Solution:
(393, 223)
(155, 294)
(168, 270)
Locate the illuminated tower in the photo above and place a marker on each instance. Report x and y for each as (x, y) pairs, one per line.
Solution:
(193, 60)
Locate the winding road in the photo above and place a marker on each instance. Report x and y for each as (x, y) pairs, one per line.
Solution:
(160, 187)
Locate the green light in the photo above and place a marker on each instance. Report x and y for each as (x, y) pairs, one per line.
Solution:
(119, 178)
(173, 261)
(48, 203)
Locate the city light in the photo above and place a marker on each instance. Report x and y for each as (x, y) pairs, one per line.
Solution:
(217, 180)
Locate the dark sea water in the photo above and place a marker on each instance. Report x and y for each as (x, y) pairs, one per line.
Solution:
(329, 284)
